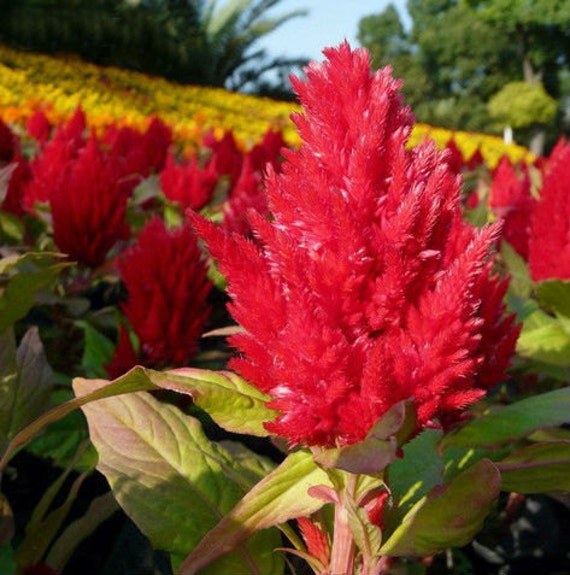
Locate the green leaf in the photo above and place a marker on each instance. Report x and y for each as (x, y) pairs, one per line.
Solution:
(555, 296)
(501, 425)
(228, 399)
(25, 383)
(98, 350)
(172, 481)
(26, 275)
(544, 338)
(281, 496)
(6, 521)
(7, 560)
(12, 227)
(420, 469)
(521, 283)
(537, 468)
(448, 517)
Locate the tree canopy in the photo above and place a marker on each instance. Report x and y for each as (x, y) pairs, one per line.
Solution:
(191, 41)
(458, 54)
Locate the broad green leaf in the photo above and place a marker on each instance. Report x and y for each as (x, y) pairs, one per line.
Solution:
(281, 496)
(25, 383)
(228, 399)
(501, 425)
(449, 516)
(12, 227)
(7, 560)
(172, 481)
(537, 468)
(544, 338)
(521, 283)
(27, 274)
(418, 471)
(555, 296)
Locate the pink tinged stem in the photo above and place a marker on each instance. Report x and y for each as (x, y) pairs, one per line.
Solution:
(343, 547)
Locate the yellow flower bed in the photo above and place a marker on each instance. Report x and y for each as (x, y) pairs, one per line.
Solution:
(114, 96)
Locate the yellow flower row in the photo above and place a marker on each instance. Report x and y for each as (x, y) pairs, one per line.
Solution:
(114, 96)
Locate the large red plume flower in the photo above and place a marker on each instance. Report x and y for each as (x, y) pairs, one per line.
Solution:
(167, 288)
(549, 242)
(366, 287)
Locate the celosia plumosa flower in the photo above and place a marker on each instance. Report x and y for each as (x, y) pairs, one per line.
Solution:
(88, 206)
(511, 200)
(366, 287)
(167, 287)
(549, 242)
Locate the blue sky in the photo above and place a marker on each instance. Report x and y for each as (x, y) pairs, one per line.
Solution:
(328, 23)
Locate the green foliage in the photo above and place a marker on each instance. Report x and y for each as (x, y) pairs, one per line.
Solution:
(187, 41)
(522, 104)
(458, 54)
(173, 481)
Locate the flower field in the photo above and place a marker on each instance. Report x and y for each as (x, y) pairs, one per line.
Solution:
(245, 342)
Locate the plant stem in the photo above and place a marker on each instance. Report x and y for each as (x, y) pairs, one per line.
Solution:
(343, 549)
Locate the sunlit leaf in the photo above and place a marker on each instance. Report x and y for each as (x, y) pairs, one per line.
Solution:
(537, 468)
(501, 425)
(281, 496)
(172, 481)
(450, 516)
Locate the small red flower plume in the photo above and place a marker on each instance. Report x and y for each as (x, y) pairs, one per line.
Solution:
(88, 206)
(549, 243)
(512, 201)
(366, 287)
(167, 286)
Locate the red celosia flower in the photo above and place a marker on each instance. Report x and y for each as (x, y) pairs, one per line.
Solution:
(512, 201)
(187, 183)
(39, 127)
(316, 541)
(9, 144)
(366, 287)
(167, 286)
(227, 158)
(143, 153)
(247, 194)
(268, 151)
(125, 356)
(549, 242)
(49, 168)
(88, 206)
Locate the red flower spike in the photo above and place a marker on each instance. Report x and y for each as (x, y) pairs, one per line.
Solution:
(188, 184)
(88, 206)
(268, 151)
(367, 287)
(549, 243)
(50, 167)
(512, 201)
(167, 286)
(39, 127)
(316, 541)
(9, 144)
(227, 158)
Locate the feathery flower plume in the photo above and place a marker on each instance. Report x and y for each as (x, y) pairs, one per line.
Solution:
(366, 287)
(549, 242)
(511, 200)
(166, 310)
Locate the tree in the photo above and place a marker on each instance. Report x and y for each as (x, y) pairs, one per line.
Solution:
(189, 41)
(456, 56)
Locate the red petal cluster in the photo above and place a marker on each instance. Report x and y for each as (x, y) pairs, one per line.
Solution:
(512, 201)
(549, 242)
(367, 287)
(88, 180)
(167, 286)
